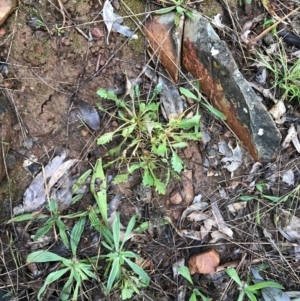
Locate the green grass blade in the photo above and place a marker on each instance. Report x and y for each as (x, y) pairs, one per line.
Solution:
(76, 234)
(62, 232)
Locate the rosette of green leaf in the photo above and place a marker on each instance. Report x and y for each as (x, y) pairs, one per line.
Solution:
(119, 259)
(77, 270)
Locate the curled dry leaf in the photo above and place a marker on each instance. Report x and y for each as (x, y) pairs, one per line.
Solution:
(204, 263)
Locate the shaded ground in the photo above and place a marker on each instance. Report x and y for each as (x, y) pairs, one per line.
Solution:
(46, 66)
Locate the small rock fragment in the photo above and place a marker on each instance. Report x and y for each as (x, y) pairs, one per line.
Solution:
(204, 263)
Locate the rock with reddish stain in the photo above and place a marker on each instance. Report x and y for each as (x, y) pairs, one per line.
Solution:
(208, 59)
(165, 39)
(6, 8)
(204, 263)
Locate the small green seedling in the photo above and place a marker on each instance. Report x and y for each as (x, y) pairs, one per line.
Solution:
(146, 143)
(197, 97)
(250, 290)
(78, 270)
(178, 7)
(118, 258)
(185, 272)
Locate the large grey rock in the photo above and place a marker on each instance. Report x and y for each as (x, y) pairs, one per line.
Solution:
(208, 59)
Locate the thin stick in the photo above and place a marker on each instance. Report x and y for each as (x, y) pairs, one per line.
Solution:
(273, 26)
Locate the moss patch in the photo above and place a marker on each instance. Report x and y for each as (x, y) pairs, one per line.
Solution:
(134, 12)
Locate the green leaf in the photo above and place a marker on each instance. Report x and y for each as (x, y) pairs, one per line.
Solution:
(76, 234)
(105, 138)
(192, 17)
(116, 231)
(263, 284)
(128, 130)
(53, 206)
(159, 186)
(62, 232)
(250, 295)
(198, 293)
(165, 10)
(161, 150)
(107, 94)
(147, 178)
(134, 167)
(121, 178)
(188, 93)
(245, 198)
(114, 274)
(27, 217)
(129, 229)
(177, 163)
(214, 111)
(100, 194)
(180, 10)
(231, 272)
(179, 145)
(139, 271)
(94, 220)
(44, 229)
(45, 256)
(52, 277)
(81, 181)
(66, 290)
(271, 198)
(185, 272)
(193, 297)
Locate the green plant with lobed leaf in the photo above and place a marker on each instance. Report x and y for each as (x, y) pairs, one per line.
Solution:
(145, 142)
